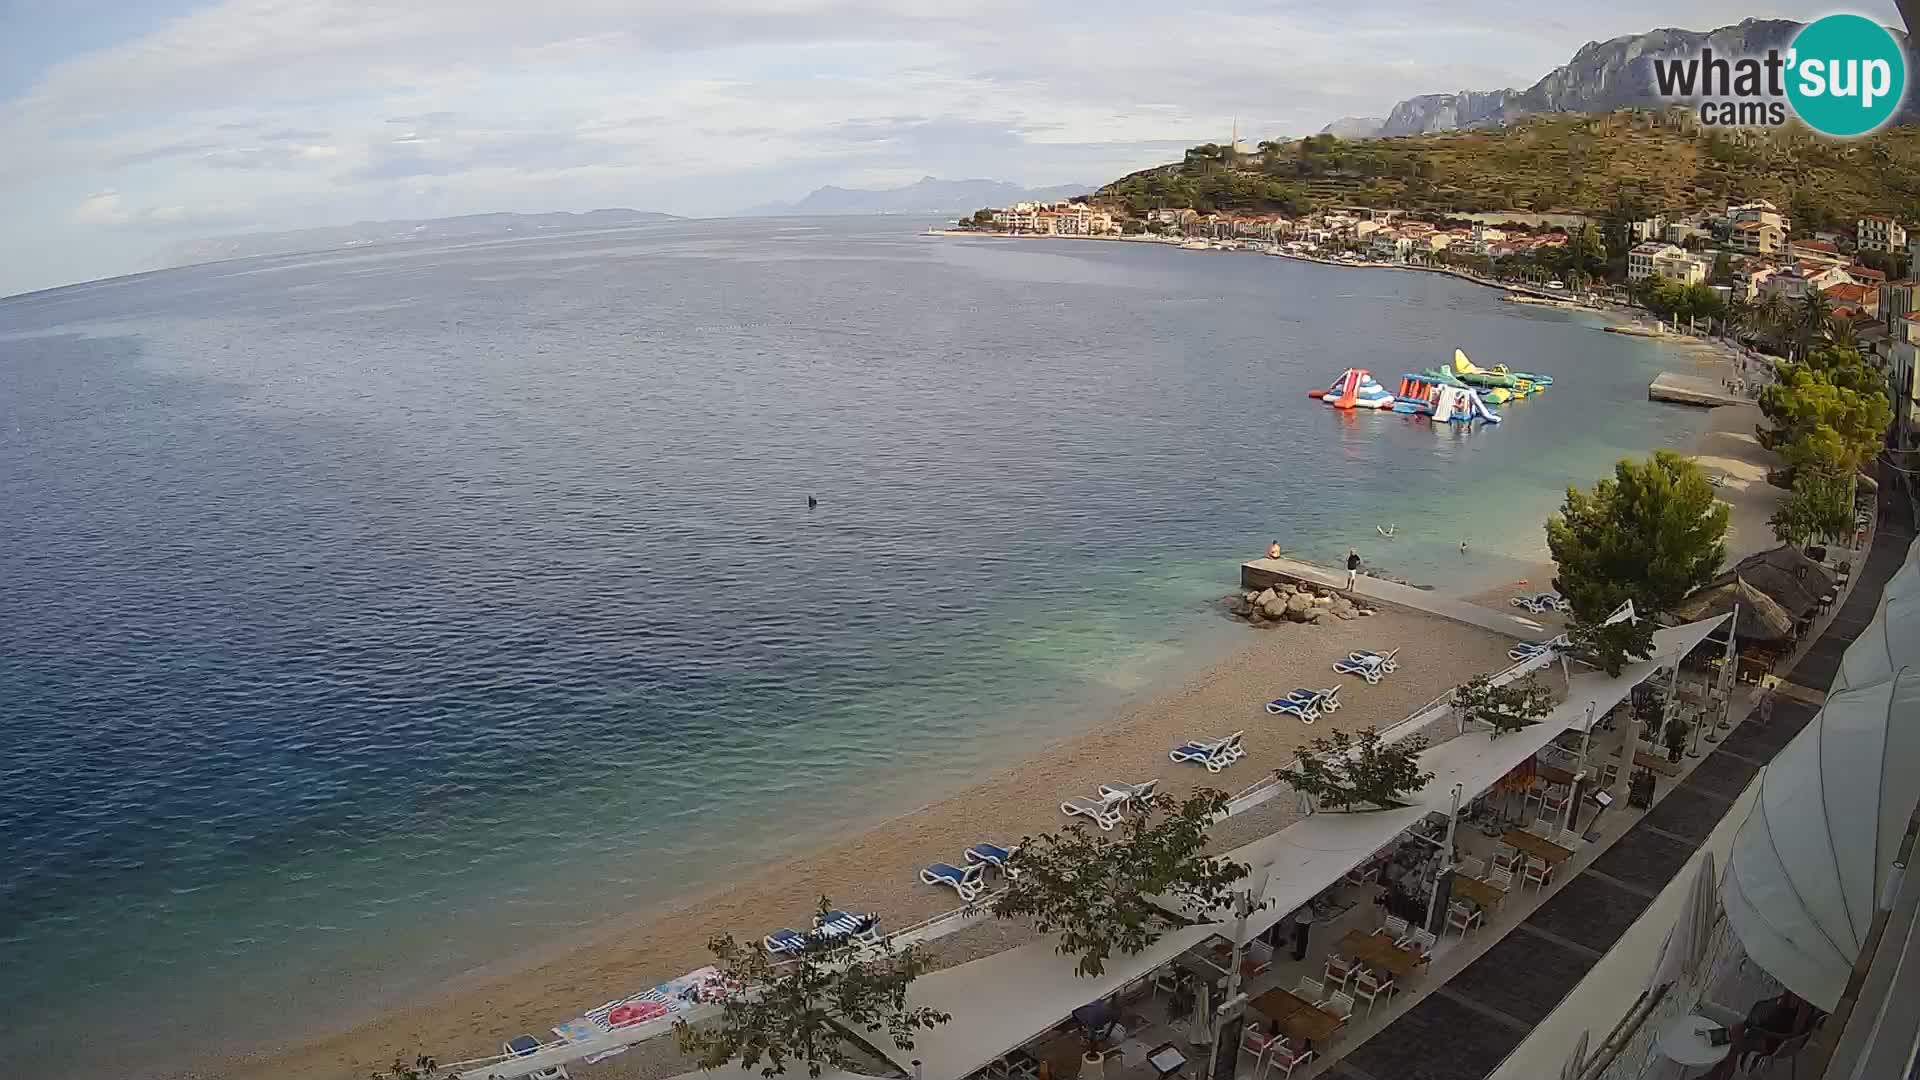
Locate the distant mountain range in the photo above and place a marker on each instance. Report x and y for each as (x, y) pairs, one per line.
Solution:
(928, 195)
(1601, 77)
(365, 233)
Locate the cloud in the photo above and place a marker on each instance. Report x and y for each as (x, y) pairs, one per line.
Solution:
(283, 113)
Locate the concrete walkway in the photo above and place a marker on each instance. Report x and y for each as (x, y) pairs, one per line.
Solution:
(1261, 573)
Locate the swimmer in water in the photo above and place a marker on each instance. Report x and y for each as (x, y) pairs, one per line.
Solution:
(813, 502)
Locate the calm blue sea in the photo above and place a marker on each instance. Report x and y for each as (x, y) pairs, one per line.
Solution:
(395, 610)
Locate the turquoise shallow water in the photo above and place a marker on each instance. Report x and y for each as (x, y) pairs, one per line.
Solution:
(398, 610)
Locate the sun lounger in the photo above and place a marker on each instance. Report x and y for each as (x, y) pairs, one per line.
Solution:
(1104, 812)
(1326, 701)
(1369, 666)
(1214, 755)
(995, 856)
(1527, 650)
(864, 929)
(1386, 659)
(1526, 603)
(1229, 745)
(1306, 711)
(785, 940)
(965, 882)
(1130, 792)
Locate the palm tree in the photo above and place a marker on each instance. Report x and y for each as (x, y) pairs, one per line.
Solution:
(1815, 312)
(1841, 332)
(1771, 314)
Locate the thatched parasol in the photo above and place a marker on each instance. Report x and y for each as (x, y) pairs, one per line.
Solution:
(1761, 617)
(1794, 581)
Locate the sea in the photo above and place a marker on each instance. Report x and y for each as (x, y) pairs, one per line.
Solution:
(372, 616)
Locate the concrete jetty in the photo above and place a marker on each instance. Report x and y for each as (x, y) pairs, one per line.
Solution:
(1671, 386)
(1264, 573)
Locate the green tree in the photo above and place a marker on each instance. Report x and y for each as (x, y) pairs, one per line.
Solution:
(1105, 893)
(1818, 421)
(806, 1007)
(1722, 272)
(983, 217)
(420, 1068)
(1609, 647)
(1652, 533)
(1811, 320)
(1820, 506)
(1342, 771)
(1509, 707)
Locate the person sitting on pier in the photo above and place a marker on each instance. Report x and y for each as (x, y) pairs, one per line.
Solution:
(1273, 550)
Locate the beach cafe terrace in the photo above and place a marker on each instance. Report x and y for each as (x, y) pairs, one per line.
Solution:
(1009, 1000)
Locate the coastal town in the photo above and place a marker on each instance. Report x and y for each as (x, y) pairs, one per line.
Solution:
(1737, 271)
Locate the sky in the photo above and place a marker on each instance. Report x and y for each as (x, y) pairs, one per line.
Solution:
(127, 126)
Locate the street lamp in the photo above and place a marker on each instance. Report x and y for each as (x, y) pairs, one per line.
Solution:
(1245, 903)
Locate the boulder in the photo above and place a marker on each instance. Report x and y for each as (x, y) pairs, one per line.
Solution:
(1299, 603)
(1365, 611)
(1323, 601)
(1239, 607)
(1275, 608)
(1343, 606)
(1263, 597)
(1288, 588)
(1316, 615)
(1252, 596)
(1345, 613)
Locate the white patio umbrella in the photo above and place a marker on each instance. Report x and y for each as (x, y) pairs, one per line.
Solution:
(1571, 1070)
(1684, 953)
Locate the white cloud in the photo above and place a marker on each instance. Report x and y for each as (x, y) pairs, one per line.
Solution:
(280, 113)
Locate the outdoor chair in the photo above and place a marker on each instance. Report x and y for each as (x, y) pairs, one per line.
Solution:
(1538, 873)
(1368, 988)
(1541, 828)
(1395, 927)
(1473, 867)
(1338, 970)
(1310, 990)
(1259, 1044)
(1286, 1059)
(1462, 918)
(1502, 878)
(1340, 1005)
(1214, 755)
(1256, 959)
(1554, 799)
(1306, 710)
(1423, 942)
(1506, 858)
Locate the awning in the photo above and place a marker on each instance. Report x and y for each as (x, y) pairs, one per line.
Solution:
(1892, 640)
(1809, 862)
(1007, 999)
(1761, 617)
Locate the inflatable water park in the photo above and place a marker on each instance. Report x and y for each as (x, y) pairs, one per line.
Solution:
(1458, 393)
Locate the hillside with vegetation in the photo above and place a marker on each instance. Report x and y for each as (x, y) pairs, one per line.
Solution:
(1565, 163)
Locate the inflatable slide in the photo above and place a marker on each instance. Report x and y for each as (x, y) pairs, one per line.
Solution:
(1354, 389)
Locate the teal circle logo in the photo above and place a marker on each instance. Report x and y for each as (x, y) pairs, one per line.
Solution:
(1846, 75)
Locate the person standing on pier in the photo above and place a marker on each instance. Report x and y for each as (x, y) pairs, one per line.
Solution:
(1353, 568)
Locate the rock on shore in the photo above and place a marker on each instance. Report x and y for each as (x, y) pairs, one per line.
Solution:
(1288, 602)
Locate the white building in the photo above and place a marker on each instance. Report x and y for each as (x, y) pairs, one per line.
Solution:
(1645, 260)
(1877, 233)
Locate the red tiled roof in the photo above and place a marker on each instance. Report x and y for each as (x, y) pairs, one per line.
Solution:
(1867, 272)
(1847, 292)
(1816, 245)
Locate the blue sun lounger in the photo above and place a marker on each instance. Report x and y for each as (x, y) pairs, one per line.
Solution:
(1215, 754)
(965, 882)
(1306, 709)
(1527, 650)
(985, 854)
(864, 929)
(785, 940)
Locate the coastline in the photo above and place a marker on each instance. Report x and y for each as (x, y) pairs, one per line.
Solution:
(876, 868)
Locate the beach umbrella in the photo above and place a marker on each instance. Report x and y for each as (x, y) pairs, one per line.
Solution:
(1761, 617)
(1787, 575)
(1571, 1070)
(1684, 954)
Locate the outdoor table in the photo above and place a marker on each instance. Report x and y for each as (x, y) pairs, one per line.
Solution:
(1554, 774)
(1484, 893)
(1297, 1017)
(1537, 847)
(1683, 1040)
(1376, 951)
(1210, 959)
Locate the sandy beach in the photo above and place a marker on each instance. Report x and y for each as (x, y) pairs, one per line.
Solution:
(878, 869)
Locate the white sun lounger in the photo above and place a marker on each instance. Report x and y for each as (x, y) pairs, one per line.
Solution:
(1369, 666)
(1229, 745)
(965, 882)
(995, 856)
(785, 940)
(1214, 754)
(1104, 812)
(1130, 792)
(1306, 709)
(1527, 650)
(864, 929)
